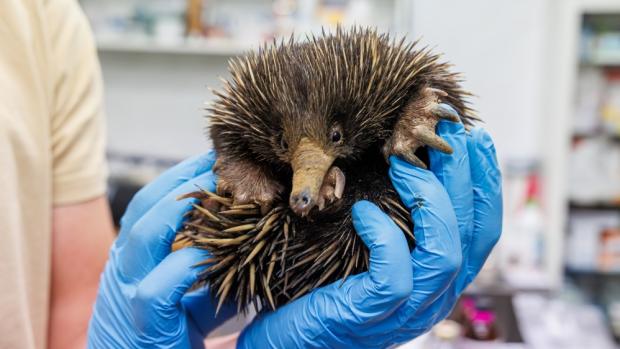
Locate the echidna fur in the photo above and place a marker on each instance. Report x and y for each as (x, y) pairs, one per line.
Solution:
(360, 78)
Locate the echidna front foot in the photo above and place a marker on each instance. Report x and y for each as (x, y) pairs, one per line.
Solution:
(246, 183)
(415, 127)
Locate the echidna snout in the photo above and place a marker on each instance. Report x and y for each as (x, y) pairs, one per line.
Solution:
(310, 165)
(331, 190)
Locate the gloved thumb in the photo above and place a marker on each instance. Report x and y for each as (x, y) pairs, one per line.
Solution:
(156, 305)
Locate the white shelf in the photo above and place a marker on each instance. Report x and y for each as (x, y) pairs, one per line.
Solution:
(199, 47)
(593, 272)
(602, 61)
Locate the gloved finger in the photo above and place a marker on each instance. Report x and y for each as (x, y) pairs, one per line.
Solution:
(148, 196)
(152, 235)
(487, 183)
(437, 256)
(487, 215)
(422, 320)
(425, 319)
(437, 311)
(200, 307)
(388, 282)
(156, 304)
(453, 171)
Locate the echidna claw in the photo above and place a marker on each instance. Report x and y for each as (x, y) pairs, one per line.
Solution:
(445, 111)
(428, 137)
(332, 187)
(339, 181)
(436, 91)
(413, 159)
(321, 203)
(415, 128)
(217, 165)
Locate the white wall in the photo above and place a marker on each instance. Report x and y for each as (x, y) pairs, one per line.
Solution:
(499, 46)
(154, 102)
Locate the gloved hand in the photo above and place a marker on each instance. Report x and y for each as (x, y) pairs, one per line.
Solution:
(457, 212)
(141, 301)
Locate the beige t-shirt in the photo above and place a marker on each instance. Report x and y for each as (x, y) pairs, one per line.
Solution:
(51, 150)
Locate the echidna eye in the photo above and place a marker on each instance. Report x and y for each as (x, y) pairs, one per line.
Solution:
(336, 136)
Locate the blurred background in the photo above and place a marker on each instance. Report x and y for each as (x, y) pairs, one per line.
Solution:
(546, 75)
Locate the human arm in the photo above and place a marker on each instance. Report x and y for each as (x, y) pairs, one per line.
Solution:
(456, 209)
(81, 235)
(82, 228)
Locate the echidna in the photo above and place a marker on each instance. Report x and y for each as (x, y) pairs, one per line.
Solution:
(294, 123)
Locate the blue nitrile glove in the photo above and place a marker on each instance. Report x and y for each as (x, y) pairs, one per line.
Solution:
(457, 212)
(141, 301)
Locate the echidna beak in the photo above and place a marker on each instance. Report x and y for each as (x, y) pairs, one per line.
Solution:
(310, 165)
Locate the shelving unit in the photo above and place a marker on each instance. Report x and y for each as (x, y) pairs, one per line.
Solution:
(593, 273)
(596, 207)
(598, 62)
(201, 47)
(138, 26)
(565, 67)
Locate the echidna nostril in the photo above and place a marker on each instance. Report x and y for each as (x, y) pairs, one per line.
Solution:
(302, 203)
(301, 200)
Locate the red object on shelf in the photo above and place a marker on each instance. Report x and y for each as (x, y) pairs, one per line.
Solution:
(482, 326)
(533, 189)
(609, 257)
